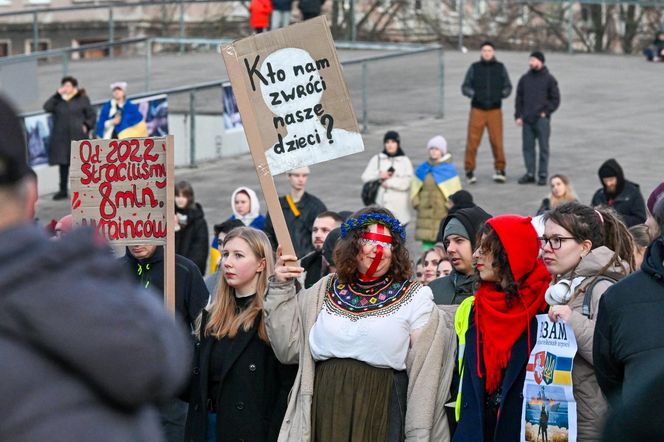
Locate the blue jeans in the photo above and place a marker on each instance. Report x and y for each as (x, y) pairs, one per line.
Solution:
(211, 429)
(538, 131)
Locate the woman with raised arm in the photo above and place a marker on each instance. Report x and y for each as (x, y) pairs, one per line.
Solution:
(369, 342)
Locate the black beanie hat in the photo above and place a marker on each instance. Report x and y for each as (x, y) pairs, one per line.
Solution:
(538, 55)
(13, 152)
(487, 43)
(392, 135)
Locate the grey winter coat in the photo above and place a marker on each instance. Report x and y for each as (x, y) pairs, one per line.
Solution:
(72, 120)
(84, 351)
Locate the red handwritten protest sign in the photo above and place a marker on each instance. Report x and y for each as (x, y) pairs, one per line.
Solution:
(120, 187)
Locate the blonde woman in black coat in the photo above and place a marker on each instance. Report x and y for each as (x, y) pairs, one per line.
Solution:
(238, 389)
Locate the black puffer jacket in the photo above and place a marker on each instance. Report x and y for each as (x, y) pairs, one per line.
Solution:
(84, 351)
(192, 240)
(191, 294)
(72, 120)
(487, 84)
(627, 200)
(629, 337)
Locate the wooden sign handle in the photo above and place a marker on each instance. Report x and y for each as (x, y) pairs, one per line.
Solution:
(169, 249)
(257, 149)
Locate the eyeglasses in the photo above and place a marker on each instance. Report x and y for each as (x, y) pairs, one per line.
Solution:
(555, 242)
(374, 243)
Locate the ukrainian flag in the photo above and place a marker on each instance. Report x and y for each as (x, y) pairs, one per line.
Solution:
(444, 173)
(562, 374)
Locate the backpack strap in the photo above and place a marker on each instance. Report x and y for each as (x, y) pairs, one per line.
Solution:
(588, 294)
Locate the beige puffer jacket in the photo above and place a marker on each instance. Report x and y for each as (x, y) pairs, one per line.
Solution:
(592, 407)
(289, 318)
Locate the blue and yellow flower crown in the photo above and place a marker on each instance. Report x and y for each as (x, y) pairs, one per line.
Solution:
(367, 219)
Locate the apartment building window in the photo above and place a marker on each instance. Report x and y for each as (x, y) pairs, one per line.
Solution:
(42, 45)
(5, 48)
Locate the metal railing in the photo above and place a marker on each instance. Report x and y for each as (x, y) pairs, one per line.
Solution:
(193, 89)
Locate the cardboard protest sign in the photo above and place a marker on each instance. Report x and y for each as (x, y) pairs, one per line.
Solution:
(124, 189)
(549, 408)
(297, 95)
(294, 103)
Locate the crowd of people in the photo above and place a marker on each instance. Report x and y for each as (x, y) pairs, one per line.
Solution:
(266, 15)
(351, 338)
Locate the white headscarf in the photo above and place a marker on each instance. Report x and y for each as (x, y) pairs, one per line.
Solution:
(255, 209)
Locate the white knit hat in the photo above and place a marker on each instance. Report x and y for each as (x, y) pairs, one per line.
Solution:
(119, 85)
(438, 142)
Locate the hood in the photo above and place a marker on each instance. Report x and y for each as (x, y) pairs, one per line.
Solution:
(158, 256)
(594, 262)
(255, 209)
(519, 239)
(611, 168)
(472, 219)
(653, 262)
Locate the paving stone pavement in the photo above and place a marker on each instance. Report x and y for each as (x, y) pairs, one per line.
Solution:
(611, 107)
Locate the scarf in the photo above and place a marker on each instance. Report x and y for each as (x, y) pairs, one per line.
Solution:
(500, 326)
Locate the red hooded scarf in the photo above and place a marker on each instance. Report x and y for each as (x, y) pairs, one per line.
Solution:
(500, 326)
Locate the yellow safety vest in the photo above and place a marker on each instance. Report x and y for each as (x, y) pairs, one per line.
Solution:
(461, 322)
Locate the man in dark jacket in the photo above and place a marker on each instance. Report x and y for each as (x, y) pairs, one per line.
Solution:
(84, 352)
(537, 97)
(460, 234)
(146, 263)
(300, 210)
(621, 195)
(486, 84)
(629, 338)
(73, 118)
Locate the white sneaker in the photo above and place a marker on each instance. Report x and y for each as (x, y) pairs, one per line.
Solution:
(470, 176)
(499, 176)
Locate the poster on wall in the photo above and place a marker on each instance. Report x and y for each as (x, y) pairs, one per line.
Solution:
(38, 130)
(155, 114)
(549, 408)
(232, 119)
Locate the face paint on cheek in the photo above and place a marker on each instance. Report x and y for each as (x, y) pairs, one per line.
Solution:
(379, 238)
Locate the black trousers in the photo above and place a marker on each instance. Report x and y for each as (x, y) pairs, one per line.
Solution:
(64, 177)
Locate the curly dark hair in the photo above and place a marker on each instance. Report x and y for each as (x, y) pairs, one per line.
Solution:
(347, 249)
(489, 242)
